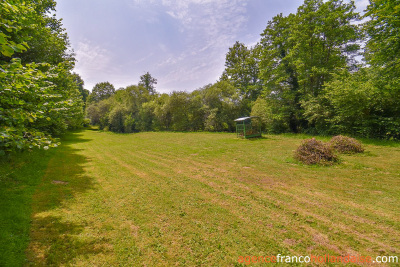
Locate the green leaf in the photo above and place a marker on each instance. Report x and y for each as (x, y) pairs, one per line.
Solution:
(7, 50)
(3, 39)
(20, 48)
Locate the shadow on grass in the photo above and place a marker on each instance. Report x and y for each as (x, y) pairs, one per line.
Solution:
(64, 176)
(20, 174)
(380, 142)
(31, 186)
(93, 128)
(55, 240)
(258, 138)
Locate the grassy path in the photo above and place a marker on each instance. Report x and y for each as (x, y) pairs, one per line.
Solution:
(162, 199)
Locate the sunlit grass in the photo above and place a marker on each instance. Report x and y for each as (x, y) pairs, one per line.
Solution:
(205, 199)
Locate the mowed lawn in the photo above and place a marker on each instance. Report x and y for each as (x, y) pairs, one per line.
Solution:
(191, 199)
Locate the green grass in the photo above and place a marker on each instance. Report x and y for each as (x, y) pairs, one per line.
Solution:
(19, 176)
(190, 199)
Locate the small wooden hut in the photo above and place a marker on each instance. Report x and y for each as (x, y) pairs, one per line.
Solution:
(247, 128)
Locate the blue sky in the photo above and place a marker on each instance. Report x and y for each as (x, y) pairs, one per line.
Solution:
(182, 43)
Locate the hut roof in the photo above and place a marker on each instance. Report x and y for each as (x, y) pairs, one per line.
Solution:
(245, 118)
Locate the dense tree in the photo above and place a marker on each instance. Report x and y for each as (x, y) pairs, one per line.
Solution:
(302, 51)
(177, 106)
(117, 119)
(325, 43)
(101, 91)
(213, 107)
(80, 83)
(241, 68)
(127, 110)
(38, 100)
(365, 102)
(196, 110)
(163, 113)
(221, 106)
(148, 82)
(262, 110)
(383, 29)
(278, 72)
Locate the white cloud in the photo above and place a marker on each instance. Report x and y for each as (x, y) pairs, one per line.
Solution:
(92, 57)
(210, 28)
(209, 18)
(92, 60)
(203, 30)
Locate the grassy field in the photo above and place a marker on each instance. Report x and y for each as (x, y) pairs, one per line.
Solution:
(191, 199)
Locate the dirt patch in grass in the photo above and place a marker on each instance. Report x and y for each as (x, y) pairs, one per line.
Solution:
(59, 182)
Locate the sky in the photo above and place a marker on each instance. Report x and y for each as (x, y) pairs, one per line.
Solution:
(181, 43)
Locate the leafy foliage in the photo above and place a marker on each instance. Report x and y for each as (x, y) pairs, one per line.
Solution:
(101, 91)
(38, 100)
(135, 108)
(117, 119)
(357, 104)
(241, 68)
(383, 29)
(80, 83)
(300, 53)
(148, 82)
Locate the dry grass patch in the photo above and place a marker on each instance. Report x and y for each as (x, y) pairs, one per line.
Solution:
(312, 151)
(345, 144)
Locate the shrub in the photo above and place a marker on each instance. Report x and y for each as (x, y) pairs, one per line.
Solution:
(129, 124)
(344, 144)
(86, 122)
(116, 119)
(93, 113)
(312, 151)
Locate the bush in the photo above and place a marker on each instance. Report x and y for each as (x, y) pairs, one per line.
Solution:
(129, 124)
(116, 120)
(344, 144)
(86, 122)
(312, 151)
(93, 113)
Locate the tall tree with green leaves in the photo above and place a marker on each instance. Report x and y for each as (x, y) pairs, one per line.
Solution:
(383, 29)
(80, 83)
(148, 82)
(241, 68)
(38, 100)
(281, 84)
(301, 52)
(101, 91)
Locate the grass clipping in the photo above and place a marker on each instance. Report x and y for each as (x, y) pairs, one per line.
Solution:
(312, 151)
(346, 145)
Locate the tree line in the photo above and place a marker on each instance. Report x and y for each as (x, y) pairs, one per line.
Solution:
(141, 108)
(321, 70)
(318, 71)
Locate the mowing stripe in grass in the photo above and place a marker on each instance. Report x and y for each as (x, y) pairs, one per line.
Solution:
(192, 199)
